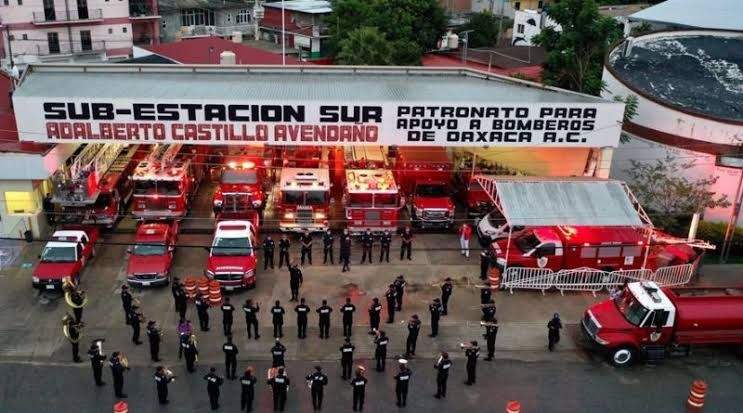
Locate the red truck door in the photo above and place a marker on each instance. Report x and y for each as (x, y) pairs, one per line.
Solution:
(656, 329)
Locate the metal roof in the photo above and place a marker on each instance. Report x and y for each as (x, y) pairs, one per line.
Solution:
(303, 6)
(564, 201)
(299, 83)
(717, 14)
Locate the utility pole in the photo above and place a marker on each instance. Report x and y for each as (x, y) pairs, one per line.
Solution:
(466, 42)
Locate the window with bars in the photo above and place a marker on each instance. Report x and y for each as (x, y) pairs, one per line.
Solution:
(243, 16)
(197, 17)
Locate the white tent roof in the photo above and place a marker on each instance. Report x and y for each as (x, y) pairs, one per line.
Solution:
(564, 201)
(716, 14)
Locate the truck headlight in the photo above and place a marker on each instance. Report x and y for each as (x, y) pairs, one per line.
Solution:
(319, 215)
(501, 261)
(257, 204)
(289, 215)
(35, 279)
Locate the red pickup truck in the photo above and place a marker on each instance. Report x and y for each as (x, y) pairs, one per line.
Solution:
(152, 255)
(65, 256)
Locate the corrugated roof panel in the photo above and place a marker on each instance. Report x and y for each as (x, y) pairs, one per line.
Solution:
(716, 14)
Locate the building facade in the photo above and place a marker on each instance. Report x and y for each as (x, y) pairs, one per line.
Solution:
(183, 20)
(529, 23)
(508, 8)
(303, 24)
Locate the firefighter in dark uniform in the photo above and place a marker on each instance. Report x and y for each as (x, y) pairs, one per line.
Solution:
(435, 309)
(48, 206)
(324, 319)
(96, 362)
(230, 358)
(126, 302)
(280, 386)
(380, 352)
(442, 367)
(318, 380)
(347, 310)
(391, 295)
(446, 290)
(190, 352)
(161, 381)
(367, 242)
(251, 317)
(327, 247)
(402, 380)
(302, 311)
(213, 382)
(306, 241)
(154, 336)
(73, 335)
(135, 319)
(269, 246)
(117, 372)
(77, 296)
(277, 317)
(346, 358)
(491, 331)
(400, 290)
(414, 327)
(486, 293)
(553, 331)
(374, 314)
(227, 311)
(345, 250)
(384, 246)
(284, 244)
(202, 310)
(181, 301)
(295, 280)
(277, 354)
(174, 287)
(406, 247)
(247, 394)
(485, 262)
(472, 352)
(488, 311)
(359, 390)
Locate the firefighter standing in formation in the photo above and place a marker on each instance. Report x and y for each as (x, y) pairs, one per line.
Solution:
(277, 317)
(435, 309)
(306, 241)
(318, 380)
(190, 352)
(374, 314)
(230, 358)
(399, 284)
(414, 327)
(96, 362)
(346, 358)
(202, 310)
(347, 310)
(295, 280)
(213, 382)
(488, 311)
(280, 386)
(446, 290)
(135, 320)
(302, 311)
(324, 319)
(162, 378)
(384, 246)
(486, 293)
(402, 380)
(391, 296)
(269, 246)
(359, 390)
(367, 242)
(227, 311)
(154, 336)
(327, 247)
(284, 245)
(491, 331)
(380, 352)
(472, 352)
(277, 354)
(247, 387)
(442, 367)
(126, 302)
(345, 250)
(485, 261)
(251, 317)
(406, 247)
(118, 364)
(181, 301)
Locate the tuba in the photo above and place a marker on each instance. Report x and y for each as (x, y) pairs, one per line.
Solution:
(69, 289)
(67, 322)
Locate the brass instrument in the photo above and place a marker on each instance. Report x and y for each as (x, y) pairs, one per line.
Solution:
(69, 289)
(168, 373)
(123, 360)
(99, 344)
(488, 324)
(67, 321)
(466, 346)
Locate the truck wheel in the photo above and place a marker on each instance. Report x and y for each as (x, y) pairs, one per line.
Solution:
(622, 356)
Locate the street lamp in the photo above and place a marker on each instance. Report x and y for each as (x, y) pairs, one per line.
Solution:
(466, 42)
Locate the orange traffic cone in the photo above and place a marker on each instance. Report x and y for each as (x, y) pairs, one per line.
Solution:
(513, 407)
(215, 293)
(190, 285)
(121, 407)
(698, 391)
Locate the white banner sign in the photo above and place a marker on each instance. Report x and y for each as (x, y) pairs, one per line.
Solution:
(284, 123)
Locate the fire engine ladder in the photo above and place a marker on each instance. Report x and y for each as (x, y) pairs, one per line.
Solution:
(164, 154)
(80, 186)
(124, 158)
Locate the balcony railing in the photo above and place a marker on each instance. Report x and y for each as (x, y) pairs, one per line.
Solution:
(67, 16)
(203, 31)
(76, 48)
(141, 10)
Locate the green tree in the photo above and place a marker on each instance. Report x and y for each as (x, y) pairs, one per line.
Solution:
(364, 46)
(484, 28)
(575, 55)
(668, 195)
(410, 26)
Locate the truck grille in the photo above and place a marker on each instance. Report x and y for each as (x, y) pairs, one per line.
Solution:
(428, 214)
(304, 216)
(589, 325)
(150, 276)
(372, 218)
(228, 276)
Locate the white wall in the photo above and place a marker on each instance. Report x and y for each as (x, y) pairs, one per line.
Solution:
(13, 225)
(531, 22)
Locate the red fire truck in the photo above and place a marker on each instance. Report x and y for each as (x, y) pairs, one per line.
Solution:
(365, 157)
(232, 257)
(241, 184)
(372, 200)
(152, 255)
(425, 173)
(96, 188)
(65, 256)
(603, 248)
(645, 321)
(305, 199)
(166, 182)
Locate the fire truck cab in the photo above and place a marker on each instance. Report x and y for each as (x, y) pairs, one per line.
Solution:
(372, 200)
(425, 173)
(164, 184)
(232, 256)
(65, 256)
(240, 188)
(151, 257)
(305, 199)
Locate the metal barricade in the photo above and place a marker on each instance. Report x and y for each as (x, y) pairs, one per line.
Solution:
(527, 278)
(674, 275)
(583, 279)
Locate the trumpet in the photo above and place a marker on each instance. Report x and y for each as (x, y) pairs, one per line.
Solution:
(488, 324)
(466, 346)
(168, 373)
